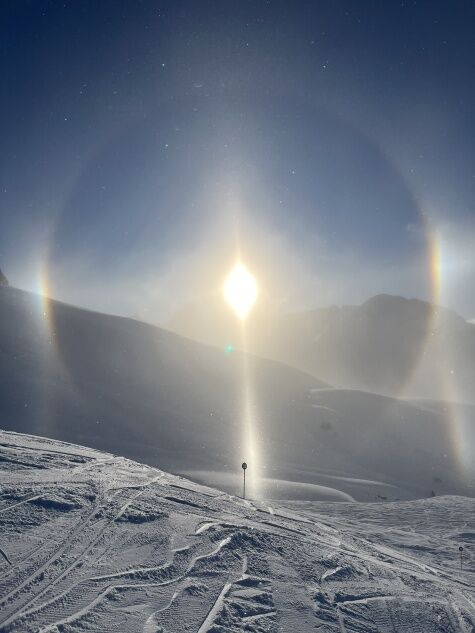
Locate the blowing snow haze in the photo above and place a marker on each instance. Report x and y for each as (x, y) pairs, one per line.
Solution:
(237, 233)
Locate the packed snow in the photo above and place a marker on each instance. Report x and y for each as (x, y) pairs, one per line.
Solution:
(94, 542)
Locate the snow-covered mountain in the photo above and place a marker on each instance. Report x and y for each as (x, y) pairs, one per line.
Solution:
(93, 542)
(389, 345)
(119, 385)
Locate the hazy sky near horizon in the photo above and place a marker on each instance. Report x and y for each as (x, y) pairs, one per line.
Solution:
(336, 138)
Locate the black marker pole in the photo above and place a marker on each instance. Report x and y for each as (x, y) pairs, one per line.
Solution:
(461, 556)
(244, 466)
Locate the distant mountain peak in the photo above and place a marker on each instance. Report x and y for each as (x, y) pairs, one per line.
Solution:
(3, 279)
(390, 301)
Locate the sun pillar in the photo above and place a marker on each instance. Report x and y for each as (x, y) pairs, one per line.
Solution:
(241, 292)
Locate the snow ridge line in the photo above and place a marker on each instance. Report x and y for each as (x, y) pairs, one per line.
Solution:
(215, 609)
(5, 556)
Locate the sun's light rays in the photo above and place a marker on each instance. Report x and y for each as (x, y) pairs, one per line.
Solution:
(250, 427)
(240, 291)
(44, 293)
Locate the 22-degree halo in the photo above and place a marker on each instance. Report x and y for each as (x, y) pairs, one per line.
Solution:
(240, 290)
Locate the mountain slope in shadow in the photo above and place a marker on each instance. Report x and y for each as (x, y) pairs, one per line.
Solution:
(120, 385)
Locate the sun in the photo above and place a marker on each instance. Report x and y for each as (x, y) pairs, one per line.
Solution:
(240, 290)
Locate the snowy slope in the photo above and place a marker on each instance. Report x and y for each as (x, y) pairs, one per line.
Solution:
(100, 543)
(122, 386)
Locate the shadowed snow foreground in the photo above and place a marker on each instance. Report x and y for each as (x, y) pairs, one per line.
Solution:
(94, 542)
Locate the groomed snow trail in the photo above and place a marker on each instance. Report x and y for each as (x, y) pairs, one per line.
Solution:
(93, 542)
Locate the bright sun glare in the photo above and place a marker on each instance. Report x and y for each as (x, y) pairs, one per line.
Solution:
(240, 290)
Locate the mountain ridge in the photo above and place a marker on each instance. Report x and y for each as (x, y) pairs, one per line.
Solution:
(388, 344)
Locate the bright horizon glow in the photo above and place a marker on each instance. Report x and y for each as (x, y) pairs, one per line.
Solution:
(240, 290)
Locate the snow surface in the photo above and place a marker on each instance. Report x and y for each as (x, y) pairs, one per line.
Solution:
(93, 542)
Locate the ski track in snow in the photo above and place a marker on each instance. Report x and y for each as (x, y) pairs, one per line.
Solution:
(93, 542)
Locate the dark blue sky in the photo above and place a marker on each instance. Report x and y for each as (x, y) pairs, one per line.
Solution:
(339, 134)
